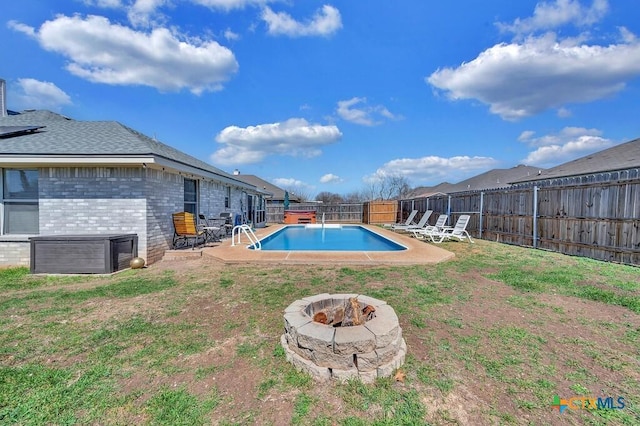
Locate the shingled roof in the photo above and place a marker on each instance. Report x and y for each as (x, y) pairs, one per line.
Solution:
(620, 157)
(60, 136)
(277, 193)
(492, 179)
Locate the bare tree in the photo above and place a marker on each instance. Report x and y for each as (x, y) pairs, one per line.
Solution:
(354, 197)
(387, 188)
(303, 196)
(399, 186)
(329, 197)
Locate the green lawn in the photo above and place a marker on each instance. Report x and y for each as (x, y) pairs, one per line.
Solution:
(492, 337)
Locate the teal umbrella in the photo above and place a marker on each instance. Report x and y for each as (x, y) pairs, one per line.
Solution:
(286, 200)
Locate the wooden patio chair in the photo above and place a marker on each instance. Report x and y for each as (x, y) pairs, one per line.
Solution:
(186, 230)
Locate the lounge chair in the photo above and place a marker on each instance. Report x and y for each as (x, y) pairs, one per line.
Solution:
(407, 222)
(421, 224)
(440, 225)
(458, 232)
(185, 230)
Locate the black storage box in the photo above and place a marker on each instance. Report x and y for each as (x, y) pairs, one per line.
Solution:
(82, 254)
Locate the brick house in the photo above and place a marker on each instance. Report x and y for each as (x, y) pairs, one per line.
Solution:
(61, 176)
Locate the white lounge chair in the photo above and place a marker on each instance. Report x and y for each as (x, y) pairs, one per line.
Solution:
(407, 222)
(421, 224)
(458, 232)
(423, 234)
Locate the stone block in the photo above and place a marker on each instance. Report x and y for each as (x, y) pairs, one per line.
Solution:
(368, 377)
(384, 326)
(387, 369)
(316, 336)
(344, 375)
(387, 353)
(318, 373)
(293, 321)
(356, 339)
(296, 306)
(331, 360)
(303, 352)
(316, 298)
(367, 361)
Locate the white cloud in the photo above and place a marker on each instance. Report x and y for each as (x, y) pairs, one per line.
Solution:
(145, 12)
(570, 143)
(23, 28)
(110, 4)
(330, 178)
(230, 35)
(102, 52)
(228, 5)
(552, 15)
(288, 182)
(294, 186)
(627, 36)
(325, 22)
(140, 12)
(35, 94)
(294, 137)
(433, 169)
(363, 114)
(520, 80)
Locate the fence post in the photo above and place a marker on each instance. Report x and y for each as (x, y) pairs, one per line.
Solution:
(535, 216)
(481, 209)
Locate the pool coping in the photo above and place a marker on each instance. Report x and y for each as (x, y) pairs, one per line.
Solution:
(417, 253)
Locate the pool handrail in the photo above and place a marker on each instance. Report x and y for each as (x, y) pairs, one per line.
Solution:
(246, 229)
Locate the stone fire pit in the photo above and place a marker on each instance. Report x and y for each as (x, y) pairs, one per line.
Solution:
(370, 348)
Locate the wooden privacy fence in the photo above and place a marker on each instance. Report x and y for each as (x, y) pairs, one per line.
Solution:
(379, 212)
(336, 213)
(598, 220)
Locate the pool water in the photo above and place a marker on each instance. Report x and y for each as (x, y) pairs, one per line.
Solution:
(328, 238)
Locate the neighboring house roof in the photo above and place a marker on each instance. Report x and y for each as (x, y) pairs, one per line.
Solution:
(61, 140)
(496, 178)
(620, 157)
(277, 193)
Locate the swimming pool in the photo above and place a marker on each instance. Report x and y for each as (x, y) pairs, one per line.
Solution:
(330, 237)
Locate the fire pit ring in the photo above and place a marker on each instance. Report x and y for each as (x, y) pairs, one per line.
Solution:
(366, 351)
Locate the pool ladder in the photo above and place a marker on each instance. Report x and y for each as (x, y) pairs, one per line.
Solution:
(238, 230)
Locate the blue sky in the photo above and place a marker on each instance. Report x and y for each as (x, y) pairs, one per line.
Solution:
(332, 95)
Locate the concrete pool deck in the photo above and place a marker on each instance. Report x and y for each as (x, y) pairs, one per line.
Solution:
(418, 252)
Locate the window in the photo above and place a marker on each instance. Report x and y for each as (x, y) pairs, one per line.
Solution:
(227, 197)
(20, 201)
(191, 196)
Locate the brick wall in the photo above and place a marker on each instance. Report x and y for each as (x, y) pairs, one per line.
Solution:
(14, 252)
(93, 200)
(110, 200)
(165, 195)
